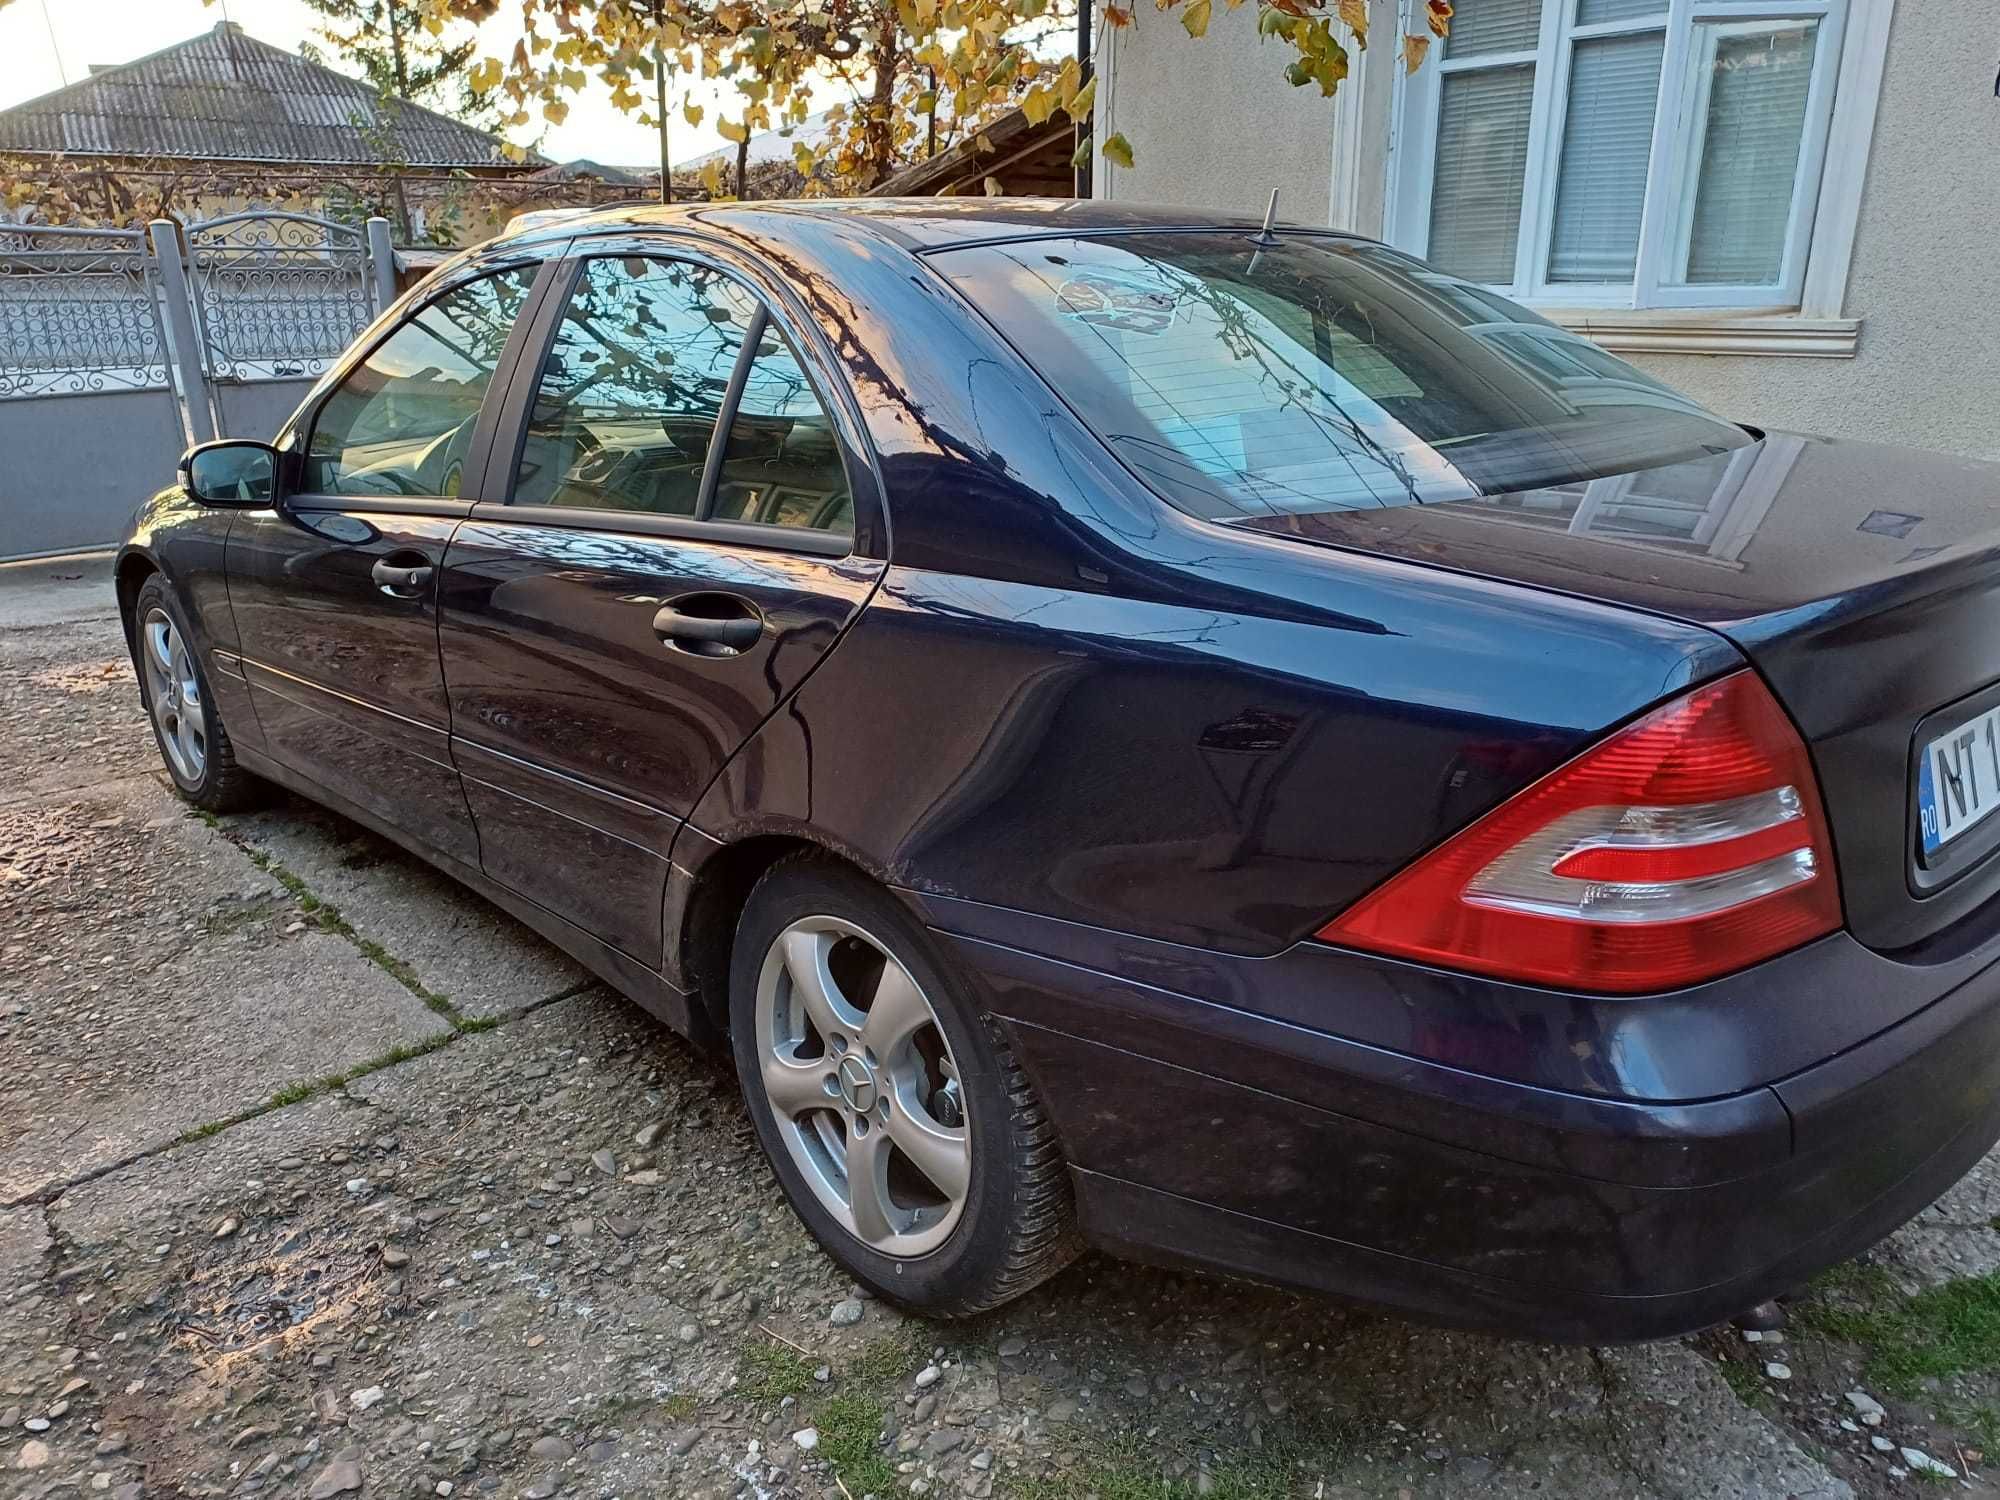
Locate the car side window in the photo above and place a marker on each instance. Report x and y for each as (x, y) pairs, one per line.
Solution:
(781, 464)
(402, 420)
(633, 384)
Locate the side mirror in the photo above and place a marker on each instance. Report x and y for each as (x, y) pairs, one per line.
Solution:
(234, 471)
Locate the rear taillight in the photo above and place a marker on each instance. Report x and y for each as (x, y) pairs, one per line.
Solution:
(1687, 845)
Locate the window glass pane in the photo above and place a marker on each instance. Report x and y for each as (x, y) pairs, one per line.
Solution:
(1749, 132)
(782, 465)
(1591, 12)
(401, 421)
(1614, 84)
(1318, 374)
(1493, 26)
(632, 386)
(1482, 159)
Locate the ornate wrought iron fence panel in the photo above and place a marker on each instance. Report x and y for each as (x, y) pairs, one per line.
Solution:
(79, 312)
(277, 294)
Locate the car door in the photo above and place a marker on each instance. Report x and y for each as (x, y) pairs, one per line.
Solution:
(689, 525)
(334, 590)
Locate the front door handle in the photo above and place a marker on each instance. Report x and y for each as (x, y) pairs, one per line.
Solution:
(707, 636)
(403, 581)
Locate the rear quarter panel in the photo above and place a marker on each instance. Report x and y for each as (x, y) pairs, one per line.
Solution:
(1216, 777)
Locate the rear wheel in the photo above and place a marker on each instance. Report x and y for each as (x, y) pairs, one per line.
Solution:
(187, 726)
(891, 1109)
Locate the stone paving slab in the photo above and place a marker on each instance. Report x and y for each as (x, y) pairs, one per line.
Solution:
(156, 982)
(455, 943)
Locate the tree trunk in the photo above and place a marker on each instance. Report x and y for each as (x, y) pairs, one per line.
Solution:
(743, 161)
(395, 18)
(878, 137)
(660, 106)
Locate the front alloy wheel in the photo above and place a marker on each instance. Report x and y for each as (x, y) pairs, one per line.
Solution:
(175, 694)
(194, 742)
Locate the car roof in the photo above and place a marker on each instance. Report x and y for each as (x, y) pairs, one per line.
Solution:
(916, 224)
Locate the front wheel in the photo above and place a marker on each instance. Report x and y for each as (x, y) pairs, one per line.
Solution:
(894, 1114)
(186, 723)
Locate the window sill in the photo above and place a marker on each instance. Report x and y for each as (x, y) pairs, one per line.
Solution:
(1711, 331)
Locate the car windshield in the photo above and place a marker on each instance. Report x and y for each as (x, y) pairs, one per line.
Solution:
(1319, 373)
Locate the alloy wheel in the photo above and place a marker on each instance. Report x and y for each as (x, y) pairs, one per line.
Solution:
(175, 693)
(863, 1086)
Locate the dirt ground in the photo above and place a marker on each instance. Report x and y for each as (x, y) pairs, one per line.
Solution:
(319, 1176)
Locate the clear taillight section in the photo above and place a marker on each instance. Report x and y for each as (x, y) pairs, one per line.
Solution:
(1689, 844)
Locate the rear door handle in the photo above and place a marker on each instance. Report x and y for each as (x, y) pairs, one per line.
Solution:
(707, 636)
(401, 580)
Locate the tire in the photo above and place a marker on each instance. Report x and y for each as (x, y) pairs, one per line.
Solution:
(944, 1074)
(187, 725)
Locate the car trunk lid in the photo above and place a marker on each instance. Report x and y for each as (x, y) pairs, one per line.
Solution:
(1862, 581)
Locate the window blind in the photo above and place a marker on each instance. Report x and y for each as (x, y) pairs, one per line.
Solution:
(1614, 86)
(1594, 12)
(1482, 160)
(1494, 26)
(1749, 150)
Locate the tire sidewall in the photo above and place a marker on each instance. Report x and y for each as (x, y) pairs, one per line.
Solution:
(976, 1253)
(157, 593)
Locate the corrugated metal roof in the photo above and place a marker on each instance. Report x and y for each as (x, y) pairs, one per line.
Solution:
(225, 96)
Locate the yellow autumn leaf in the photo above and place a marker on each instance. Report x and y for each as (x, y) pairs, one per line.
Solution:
(555, 111)
(732, 130)
(803, 158)
(691, 112)
(1079, 105)
(1354, 15)
(485, 75)
(993, 188)
(1118, 150)
(1194, 17)
(1414, 48)
(1038, 104)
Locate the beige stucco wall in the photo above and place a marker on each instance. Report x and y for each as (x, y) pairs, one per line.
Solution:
(1214, 123)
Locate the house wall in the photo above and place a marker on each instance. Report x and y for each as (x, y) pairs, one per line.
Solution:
(1214, 124)
(1925, 281)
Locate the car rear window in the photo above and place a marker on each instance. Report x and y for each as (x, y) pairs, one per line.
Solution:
(1318, 373)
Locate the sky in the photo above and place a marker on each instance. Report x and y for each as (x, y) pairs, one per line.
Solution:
(40, 39)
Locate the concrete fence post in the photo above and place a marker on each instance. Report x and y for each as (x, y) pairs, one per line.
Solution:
(184, 346)
(381, 265)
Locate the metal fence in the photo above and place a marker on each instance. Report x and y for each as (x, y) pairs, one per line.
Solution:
(118, 347)
(263, 295)
(79, 312)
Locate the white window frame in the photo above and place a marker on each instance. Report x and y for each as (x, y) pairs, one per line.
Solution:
(1828, 176)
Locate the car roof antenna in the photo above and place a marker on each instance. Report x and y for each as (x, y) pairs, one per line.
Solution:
(1263, 239)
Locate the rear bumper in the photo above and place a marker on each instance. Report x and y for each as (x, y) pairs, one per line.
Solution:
(1205, 1133)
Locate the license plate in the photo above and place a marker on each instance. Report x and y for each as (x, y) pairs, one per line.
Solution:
(1958, 780)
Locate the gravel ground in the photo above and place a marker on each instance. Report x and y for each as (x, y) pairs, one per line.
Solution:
(319, 1176)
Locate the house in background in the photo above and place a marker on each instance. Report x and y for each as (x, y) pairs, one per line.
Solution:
(1790, 210)
(223, 122)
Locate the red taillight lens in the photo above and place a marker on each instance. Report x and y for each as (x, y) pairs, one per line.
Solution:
(1687, 845)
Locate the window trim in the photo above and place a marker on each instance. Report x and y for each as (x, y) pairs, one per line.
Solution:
(1645, 317)
(294, 443)
(869, 538)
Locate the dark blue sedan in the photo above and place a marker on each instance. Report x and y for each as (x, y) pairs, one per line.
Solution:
(1135, 730)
